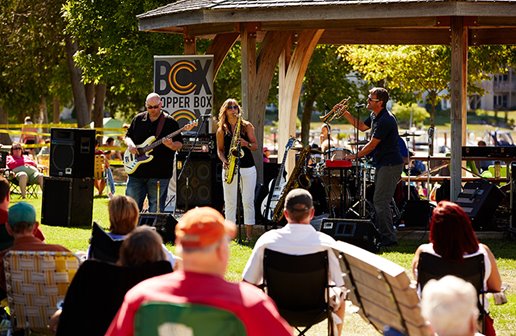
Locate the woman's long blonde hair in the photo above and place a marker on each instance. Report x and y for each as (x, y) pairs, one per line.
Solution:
(223, 119)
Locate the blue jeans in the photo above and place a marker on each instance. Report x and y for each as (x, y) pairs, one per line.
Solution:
(386, 179)
(139, 188)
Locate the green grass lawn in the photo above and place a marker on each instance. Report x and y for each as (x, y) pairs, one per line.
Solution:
(76, 239)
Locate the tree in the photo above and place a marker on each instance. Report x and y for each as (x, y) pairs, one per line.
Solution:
(31, 55)
(325, 84)
(113, 52)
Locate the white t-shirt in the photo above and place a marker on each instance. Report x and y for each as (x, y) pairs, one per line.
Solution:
(294, 239)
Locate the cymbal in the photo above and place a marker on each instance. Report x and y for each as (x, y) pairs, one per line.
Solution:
(359, 142)
(312, 150)
(410, 134)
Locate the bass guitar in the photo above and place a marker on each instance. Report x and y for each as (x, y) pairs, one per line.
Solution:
(269, 203)
(133, 161)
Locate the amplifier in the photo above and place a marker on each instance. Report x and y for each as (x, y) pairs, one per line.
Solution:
(204, 144)
(479, 200)
(359, 232)
(164, 223)
(489, 151)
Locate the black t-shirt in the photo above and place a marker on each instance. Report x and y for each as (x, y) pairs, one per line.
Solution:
(162, 164)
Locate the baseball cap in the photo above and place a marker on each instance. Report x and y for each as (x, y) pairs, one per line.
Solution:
(21, 212)
(298, 199)
(201, 227)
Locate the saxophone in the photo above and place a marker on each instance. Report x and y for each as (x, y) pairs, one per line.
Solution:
(293, 182)
(234, 153)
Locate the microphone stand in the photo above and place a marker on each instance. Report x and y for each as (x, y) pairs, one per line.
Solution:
(328, 157)
(239, 196)
(185, 162)
(358, 172)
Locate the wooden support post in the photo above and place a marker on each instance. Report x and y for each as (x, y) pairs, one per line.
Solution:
(458, 117)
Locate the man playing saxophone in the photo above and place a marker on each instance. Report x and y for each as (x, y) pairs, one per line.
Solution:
(233, 132)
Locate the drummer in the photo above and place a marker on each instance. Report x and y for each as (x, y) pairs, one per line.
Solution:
(326, 139)
(387, 158)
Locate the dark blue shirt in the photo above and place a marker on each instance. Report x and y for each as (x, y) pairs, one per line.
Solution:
(385, 128)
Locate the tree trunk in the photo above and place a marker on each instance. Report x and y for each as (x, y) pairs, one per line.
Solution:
(4, 137)
(98, 108)
(305, 120)
(56, 110)
(90, 95)
(79, 93)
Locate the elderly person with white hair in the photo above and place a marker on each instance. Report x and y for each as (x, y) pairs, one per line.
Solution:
(450, 306)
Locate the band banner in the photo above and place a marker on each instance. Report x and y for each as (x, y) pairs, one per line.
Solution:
(185, 84)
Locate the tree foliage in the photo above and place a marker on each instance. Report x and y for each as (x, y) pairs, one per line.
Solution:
(410, 113)
(33, 65)
(325, 84)
(113, 51)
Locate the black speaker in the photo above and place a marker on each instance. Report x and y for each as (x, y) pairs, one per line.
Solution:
(479, 199)
(67, 201)
(200, 183)
(72, 152)
(417, 213)
(513, 197)
(164, 223)
(359, 232)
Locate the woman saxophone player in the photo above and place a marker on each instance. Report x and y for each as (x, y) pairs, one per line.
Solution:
(230, 122)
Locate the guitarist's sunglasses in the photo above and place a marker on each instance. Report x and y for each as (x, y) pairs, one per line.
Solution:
(153, 106)
(230, 107)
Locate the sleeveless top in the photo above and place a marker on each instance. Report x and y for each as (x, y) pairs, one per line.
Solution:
(247, 160)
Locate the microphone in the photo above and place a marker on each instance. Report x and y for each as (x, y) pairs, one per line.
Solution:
(205, 116)
(359, 105)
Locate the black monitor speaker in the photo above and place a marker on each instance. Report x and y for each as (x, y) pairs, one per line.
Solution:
(164, 223)
(359, 232)
(72, 152)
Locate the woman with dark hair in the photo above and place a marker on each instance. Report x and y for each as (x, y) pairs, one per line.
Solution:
(229, 115)
(452, 238)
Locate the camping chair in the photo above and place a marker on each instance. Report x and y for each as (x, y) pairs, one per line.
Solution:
(98, 289)
(165, 318)
(36, 282)
(102, 246)
(298, 284)
(470, 269)
(31, 190)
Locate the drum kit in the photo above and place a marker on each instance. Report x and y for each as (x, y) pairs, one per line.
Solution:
(340, 186)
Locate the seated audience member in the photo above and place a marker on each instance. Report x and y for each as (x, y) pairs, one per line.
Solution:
(123, 219)
(25, 169)
(450, 306)
(141, 246)
(22, 225)
(452, 238)
(112, 154)
(298, 237)
(140, 257)
(6, 240)
(202, 238)
(483, 165)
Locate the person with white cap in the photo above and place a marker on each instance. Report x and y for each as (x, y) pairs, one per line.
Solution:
(298, 237)
(202, 239)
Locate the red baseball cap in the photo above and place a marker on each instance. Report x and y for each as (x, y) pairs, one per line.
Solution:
(201, 227)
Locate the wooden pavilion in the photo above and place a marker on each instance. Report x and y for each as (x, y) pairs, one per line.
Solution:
(289, 30)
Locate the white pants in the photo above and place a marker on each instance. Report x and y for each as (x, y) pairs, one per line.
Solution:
(247, 186)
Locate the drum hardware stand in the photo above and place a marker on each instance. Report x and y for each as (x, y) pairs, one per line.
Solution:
(239, 195)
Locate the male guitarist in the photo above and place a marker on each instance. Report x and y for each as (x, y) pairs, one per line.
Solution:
(143, 182)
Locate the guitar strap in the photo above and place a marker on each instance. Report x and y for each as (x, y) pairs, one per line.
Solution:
(160, 125)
